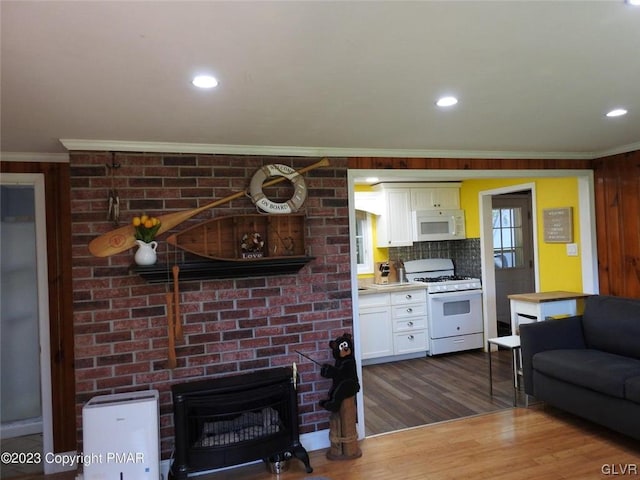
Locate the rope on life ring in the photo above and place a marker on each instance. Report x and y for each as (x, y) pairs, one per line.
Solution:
(261, 201)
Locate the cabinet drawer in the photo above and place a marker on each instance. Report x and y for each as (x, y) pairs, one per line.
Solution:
(410, 310)
(410, 342)
(409, 296)
(373, 300)
(456, 344)
(527, 308)
(410, 324)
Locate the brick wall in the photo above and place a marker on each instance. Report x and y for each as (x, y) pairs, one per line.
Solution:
(231, 325)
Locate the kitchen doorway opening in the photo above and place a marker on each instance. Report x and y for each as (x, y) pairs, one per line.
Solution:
(588, 256)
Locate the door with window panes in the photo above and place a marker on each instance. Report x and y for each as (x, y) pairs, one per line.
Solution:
(512, 252)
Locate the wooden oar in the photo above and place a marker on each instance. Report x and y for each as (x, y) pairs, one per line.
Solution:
(123, 238)
(172, 361)
(176, 303)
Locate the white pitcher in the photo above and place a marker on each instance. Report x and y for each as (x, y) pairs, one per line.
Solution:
(146, 254)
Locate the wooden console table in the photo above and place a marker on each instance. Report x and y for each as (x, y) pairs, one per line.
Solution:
(536, 307)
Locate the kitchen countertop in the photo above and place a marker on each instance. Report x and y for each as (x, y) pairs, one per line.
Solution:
(369, 289)
(540, 297)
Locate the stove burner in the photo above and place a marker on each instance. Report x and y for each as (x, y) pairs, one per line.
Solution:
(444, 278)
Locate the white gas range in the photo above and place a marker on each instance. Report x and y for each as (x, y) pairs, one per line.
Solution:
(454, 305)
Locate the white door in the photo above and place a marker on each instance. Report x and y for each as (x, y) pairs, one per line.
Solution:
(25, 404)
(512, 252)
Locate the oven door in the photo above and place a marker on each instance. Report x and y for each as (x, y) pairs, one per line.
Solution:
(454, 313)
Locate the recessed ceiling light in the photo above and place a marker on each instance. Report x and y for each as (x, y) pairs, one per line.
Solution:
(618, 112)
(205, 81)
(446, 101)
(635, 3)
(371, 179)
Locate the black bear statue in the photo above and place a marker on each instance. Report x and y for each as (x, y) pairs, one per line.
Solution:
(343, 373)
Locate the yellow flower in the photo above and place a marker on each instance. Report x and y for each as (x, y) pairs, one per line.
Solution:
(146, 227)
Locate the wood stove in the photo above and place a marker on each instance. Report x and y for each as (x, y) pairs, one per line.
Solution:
(233, 420)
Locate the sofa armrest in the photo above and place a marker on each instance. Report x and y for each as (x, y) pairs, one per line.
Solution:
(537, 337)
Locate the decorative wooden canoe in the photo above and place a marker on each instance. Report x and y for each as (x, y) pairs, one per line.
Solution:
(249, 237)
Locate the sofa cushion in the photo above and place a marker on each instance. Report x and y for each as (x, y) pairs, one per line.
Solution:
(612, 324)
(600, 371)
(632, 389)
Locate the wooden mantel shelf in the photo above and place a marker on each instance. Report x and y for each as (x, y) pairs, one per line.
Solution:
(214, 269)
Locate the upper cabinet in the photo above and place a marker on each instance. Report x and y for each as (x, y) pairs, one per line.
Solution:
(445, 197)
(394, 224)
(398, 200)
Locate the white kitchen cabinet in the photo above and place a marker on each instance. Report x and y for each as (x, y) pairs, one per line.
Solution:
(394, 225)
(398, 201)
(375, 326)
(429, 198)
(393, 326)
(409, 312)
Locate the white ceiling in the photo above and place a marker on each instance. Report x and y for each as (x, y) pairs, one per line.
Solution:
(351, 77)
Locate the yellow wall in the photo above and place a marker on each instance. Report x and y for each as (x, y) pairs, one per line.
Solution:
(557, 270)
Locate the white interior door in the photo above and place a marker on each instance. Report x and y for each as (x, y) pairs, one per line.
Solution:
(512, 252)
(24, 313)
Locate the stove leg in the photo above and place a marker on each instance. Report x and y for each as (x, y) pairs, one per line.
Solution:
(301, 454)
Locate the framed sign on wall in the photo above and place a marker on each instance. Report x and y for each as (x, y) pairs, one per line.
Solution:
(558, 225)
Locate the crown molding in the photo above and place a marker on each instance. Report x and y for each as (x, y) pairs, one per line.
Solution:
(632, 147)
(208, 148)
(34, 157)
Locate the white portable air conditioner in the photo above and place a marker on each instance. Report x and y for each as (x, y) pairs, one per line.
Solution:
(121, 437)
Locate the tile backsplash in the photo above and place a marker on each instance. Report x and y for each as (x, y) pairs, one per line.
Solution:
(464, 253)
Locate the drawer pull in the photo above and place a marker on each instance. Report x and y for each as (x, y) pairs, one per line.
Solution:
(410, 324)
(410, 337)
(408, 296)
(409, 310)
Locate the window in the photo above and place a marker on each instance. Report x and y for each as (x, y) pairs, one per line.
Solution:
(507, 238)
(364, 242)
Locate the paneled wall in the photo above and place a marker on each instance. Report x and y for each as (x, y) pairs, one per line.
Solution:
(617, 192)
(231, 325)
(466, 163)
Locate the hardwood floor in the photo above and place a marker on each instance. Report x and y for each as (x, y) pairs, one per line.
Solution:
(512, 444)
(509, 444)
(432, 389)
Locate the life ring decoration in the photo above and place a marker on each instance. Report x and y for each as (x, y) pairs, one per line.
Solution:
(261, 201)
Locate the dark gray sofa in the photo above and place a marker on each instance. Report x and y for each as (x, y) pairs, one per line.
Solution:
(588, 365)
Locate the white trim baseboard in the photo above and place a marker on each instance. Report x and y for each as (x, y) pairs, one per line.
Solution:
(315, 440)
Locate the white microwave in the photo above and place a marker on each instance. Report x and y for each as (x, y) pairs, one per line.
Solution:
(429, 225)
